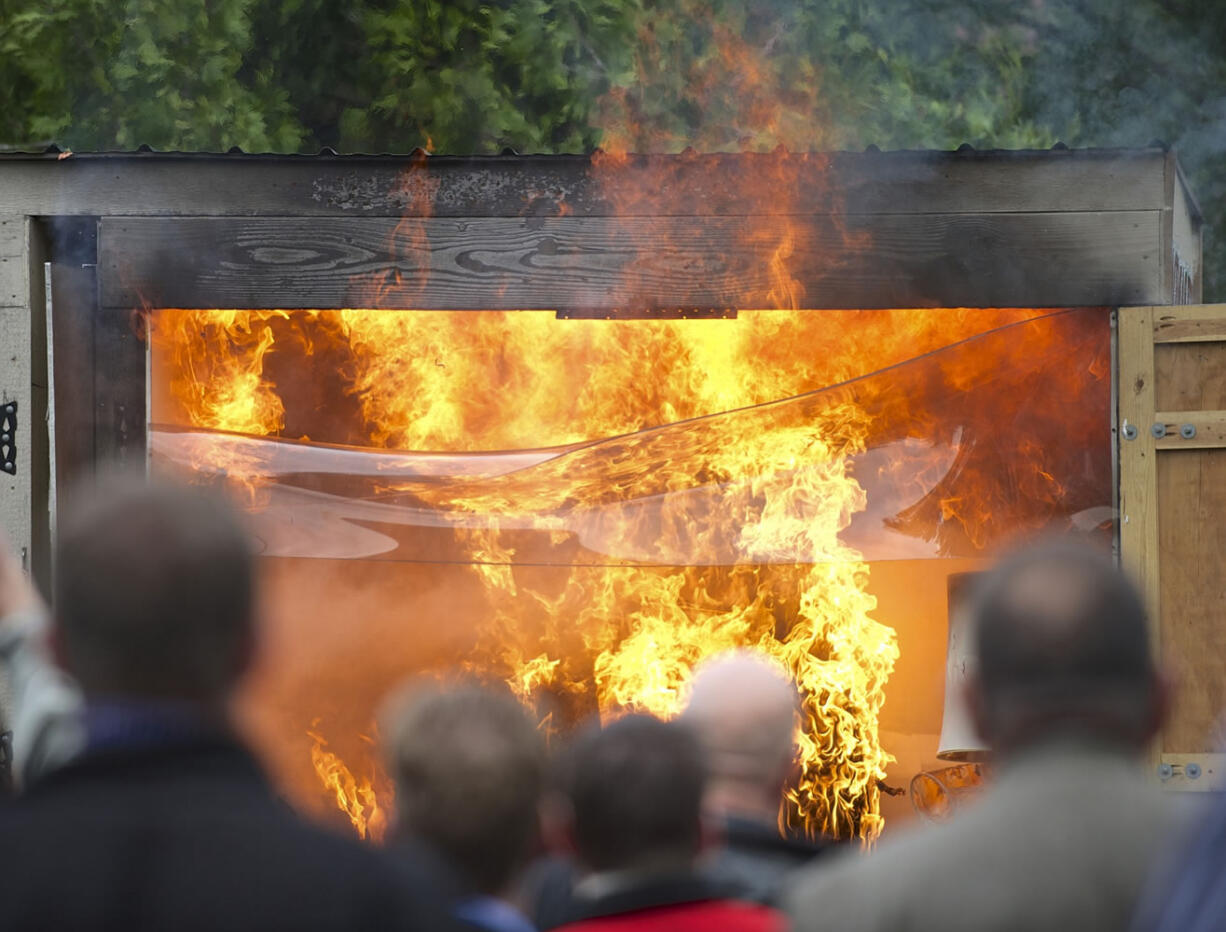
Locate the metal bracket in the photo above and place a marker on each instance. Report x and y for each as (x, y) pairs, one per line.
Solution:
(8, 437)
(1158, 431)
(1187, 431)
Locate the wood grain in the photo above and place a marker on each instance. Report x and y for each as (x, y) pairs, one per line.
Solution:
(1192, 543)
(120, 392)
(1210, 429)
(871, 182)
(1195, 324)
(578, 263)
(1190, 376)
(1138, 517)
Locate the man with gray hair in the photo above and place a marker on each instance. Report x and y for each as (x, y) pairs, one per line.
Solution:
(743, 707)
(469, 767)
(1067, 696)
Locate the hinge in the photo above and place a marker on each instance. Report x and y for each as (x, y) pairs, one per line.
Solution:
(8, 437)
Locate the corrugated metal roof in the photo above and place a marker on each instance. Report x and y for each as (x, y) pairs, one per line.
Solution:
(54, 152)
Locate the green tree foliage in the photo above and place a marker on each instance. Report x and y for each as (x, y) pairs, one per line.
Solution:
(105, 75)
(569, 75)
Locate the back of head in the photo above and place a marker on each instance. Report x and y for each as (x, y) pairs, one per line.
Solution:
(469, 767)
(154, 593)
(636, 787)
(1063, 648)
(743, 707)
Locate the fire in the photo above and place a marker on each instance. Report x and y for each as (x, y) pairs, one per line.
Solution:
(685, 486)
(355, 797)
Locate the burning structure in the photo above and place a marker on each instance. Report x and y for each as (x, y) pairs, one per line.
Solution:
(578, 423)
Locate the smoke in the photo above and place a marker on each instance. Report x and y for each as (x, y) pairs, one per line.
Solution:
(839, 74)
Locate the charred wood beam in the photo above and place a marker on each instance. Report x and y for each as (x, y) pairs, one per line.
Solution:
(515, 186)
(585, 265)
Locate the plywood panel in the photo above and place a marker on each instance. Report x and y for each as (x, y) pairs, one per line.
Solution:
(1190, 376)
(577, 263)
(1191, 488)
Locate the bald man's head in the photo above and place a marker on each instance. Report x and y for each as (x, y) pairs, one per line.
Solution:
(1063, 646)
(743, 706)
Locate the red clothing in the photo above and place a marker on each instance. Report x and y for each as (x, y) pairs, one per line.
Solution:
(703, 916)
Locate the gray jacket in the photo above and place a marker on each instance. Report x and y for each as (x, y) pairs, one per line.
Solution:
(44, 705)
(1064, 840)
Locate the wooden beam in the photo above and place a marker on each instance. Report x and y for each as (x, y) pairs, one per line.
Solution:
(1138, 476)
(1195, 773)
(956, 260)
(729, 185)
(120, 391)
(1202, 323)
(1209, 427)
(23, 354)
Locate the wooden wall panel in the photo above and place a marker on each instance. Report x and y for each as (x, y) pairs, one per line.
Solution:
(1191, 489)
(1190, 376)
(577, 263)
(1172, 375)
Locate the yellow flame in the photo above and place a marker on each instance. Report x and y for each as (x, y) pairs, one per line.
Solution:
(607, 638)
(355, 797)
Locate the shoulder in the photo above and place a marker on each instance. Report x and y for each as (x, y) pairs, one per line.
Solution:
(725, 915)
(854, 889)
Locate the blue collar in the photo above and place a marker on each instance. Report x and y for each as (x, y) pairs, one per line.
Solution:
(492, 914)
(133, 724)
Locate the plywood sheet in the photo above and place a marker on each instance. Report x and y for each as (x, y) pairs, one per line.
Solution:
(1191, 487)
(1190, 376)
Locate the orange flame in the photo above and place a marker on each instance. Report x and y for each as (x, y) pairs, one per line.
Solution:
(743, 544)
(355, 797)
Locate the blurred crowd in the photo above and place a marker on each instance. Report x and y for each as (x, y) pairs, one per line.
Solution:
(131, 802)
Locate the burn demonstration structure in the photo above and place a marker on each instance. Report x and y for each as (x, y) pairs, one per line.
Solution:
(87, 240)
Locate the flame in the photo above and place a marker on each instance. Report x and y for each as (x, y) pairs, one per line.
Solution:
(738, 409)
(693, 483)
(355, 797)
(216, 366)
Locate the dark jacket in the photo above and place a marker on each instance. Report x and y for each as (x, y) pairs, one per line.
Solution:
(180, 837)
(688, 902)
(755, 860)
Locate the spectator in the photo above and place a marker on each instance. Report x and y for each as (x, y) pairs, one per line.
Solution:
(164, 820)
(45, 715)
(636, 790)
(1066, 695)
(1188, 891)
(469, 766)
(743, 707)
